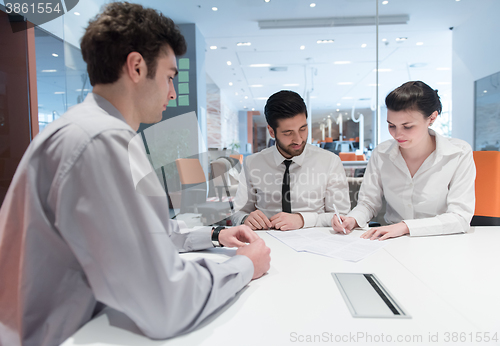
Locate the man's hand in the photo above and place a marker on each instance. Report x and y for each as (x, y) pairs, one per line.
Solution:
(237, 236)
(286, 221)
(257, 220)
(348, 223)
(386, 232)
(259, 254)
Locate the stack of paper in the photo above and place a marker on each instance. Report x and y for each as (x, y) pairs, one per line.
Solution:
(348, 248)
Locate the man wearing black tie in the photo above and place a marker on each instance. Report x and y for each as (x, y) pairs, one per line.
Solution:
(292, 184)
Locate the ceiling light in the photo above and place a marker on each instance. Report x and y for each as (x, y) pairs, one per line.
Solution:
(332, 21)
(49, 70)
(344, 83)
(399, 39)
(267, 0)
(385, 2)
(325, 41)
(256, 86)
(236, 94)
(260, 65)
(230, 83)
(443, 69)
(246, 97)
(338, 104)
(312, 4)
(419, 43)
(59, 93)
(55, 55)
(291, 85)
(77, 13)
(485, 91)
(253, 109)
(214, 8)
(347, 98)
(338, 110)
(363, 45)
(244, 44)
(245, 107)
(302, 47)
(229, 63)
(384, 39)
(383, 70)
(341, 62)
(213, 47)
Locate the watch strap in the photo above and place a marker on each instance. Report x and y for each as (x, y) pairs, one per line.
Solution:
(215, 236)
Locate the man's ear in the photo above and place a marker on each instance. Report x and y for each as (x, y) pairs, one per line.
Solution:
(135, 67)
(271, 131)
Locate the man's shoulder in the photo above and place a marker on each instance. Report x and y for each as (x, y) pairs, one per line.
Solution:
(264, 154)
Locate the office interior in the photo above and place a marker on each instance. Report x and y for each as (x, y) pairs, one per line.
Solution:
(343, 57)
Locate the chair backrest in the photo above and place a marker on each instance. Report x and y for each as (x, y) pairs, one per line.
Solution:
(238, 157)
(347, 156)
(361, 157)
(190, 171)
(487, 186)
(328, 139)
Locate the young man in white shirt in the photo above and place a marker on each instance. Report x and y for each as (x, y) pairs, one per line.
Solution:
(76, 234)
(292, 184)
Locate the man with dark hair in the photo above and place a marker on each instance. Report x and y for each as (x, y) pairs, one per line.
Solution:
(76, 235)
(290, 185)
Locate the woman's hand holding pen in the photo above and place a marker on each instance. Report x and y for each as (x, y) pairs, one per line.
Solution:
(348, 223)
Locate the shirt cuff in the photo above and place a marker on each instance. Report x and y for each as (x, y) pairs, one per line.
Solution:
(309, 219)
(243, 265)
(359, 216)
(200, 239)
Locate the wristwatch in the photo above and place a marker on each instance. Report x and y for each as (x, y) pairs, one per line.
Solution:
(215, 236)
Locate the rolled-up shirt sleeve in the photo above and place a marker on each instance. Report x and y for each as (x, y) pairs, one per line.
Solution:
(128, 246)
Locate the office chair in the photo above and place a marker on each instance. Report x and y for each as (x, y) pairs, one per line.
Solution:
(487, 212)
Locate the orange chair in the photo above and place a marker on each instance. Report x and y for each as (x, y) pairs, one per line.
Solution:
(487, 211)
(347, 156)
(328, 139)
(237, 157)
(361, 157)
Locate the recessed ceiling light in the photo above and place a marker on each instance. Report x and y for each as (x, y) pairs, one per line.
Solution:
(383, 70)
(49, 70)
(419, 43)
(338, 110)
(246, 97)
(260, 65)
(302, 47)
(257, 86)
(291, 85)
(236, 94)
(245, 107)
(325, 41)
(244, 44)
(443, 69)
(253, 109)
(485, 91)
(59, 93)
(229, 63)
(341, 62)
(385, 2)
(363, 45)
(399, 39)
(77, 13)
(213, 47)
(338, 104)
(267, 0)
(214, 8)
(312, 4)
(347, 98)
(230, 83)
(55, 55)
(344, 83)
(384, 39)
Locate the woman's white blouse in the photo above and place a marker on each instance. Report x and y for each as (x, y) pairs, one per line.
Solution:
(440, 197)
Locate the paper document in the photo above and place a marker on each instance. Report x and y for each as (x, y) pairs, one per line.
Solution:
(339, 246)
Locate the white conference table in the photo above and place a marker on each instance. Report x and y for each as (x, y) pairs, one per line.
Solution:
(450, 285)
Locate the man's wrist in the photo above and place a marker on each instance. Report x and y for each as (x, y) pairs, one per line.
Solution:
(215, 236)
(243, 220)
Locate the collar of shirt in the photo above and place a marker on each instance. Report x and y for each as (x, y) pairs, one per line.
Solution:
(101, 102)
(279, 158)
(443, 147)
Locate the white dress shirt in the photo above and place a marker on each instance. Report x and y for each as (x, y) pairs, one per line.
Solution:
(317, 181)
(440, 197)
(74, 232)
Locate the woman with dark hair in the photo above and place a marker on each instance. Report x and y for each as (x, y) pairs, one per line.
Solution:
(427, 179)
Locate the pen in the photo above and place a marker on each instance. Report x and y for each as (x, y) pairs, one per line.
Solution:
(338, 217)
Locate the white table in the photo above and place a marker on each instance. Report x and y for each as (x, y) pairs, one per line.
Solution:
(448, 284)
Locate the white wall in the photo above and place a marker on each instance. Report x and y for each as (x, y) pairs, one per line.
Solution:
(476, 54)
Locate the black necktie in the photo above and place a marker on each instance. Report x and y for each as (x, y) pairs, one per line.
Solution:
(285, 189)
